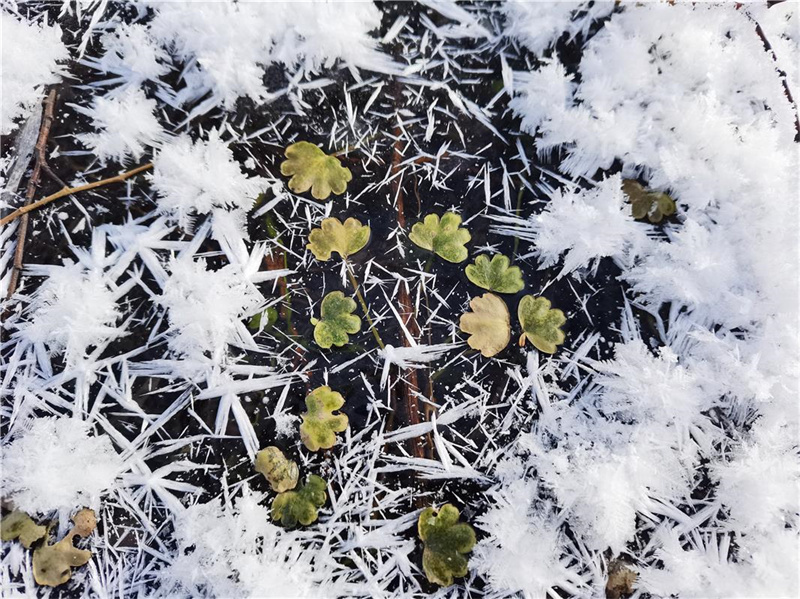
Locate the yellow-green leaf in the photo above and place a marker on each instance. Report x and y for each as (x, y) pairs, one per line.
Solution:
(445, 237)
(540, 323)
(445, 539)
(337, 320)
(489, 324)
(333, 236)
(52, 563)
(310, 168)
(320, 424)
(495, 274)
(293, 507)
(281, 472)
(18, 525)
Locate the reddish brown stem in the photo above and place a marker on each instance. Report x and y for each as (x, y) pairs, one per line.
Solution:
(408, 382)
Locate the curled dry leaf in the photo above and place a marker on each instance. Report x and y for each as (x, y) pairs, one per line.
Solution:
(336, 321)
(540, 323)
(495, 274)
(620, 580)
(293, 507)
(445, 237)
(446, 539)
(52, 563)
(333, 236)
(19, 525)
(489, 324)
(281, 472)
(320, 424)
(310, 168)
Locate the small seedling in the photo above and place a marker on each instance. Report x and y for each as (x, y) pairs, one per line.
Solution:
(281, 472)
(446, 539)
(320, 424)
(496, 274)
(310, 168)
(445, 237)
(52, 563)
(333, 236)
(540, 323)
(489, 324)
(293, 507)
(336, 321)
(18, 525)
(652, 205)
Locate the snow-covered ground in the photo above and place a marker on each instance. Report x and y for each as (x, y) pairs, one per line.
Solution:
(662, 435)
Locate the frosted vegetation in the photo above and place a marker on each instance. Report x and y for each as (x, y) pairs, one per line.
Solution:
(428, 299)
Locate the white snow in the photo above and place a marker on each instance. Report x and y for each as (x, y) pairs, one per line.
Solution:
(32, 53)
(58, 464)
(72, 311)
(197, 178)
(127, 126)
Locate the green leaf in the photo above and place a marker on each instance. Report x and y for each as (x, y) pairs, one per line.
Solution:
(333, 236)
(495, 275)
(281, 472)
(652, 205)
(18, 525)
(489, 324)
(445, 541)
(443, 237)
(271, 318)
(320, 424)
(310, 168)
(300, 506)
(337, 321)
(52, 563)
(540, 323)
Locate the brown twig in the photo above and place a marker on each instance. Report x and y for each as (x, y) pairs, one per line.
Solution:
(71, 190)
(408, 381)
(30, 190)
(786, 90)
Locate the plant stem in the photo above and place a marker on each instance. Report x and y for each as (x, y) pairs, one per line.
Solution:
(71, 190)
(363, 303)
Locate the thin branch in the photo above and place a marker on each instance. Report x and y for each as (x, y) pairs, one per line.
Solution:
(71, 190)
(30, 190)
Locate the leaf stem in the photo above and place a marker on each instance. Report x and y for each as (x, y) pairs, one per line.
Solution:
(363, 303)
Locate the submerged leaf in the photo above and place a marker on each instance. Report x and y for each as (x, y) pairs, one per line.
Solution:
(320, 424)
(444, 237)
(540, 323)
(652, 205)
(495, 274)
(489, 324)
(52, 563)
(445, 540)
(18, 525)
(281, 472)
(300, 506)
(310, 168)
(333, 236)
(259, 321)
(337, 321)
